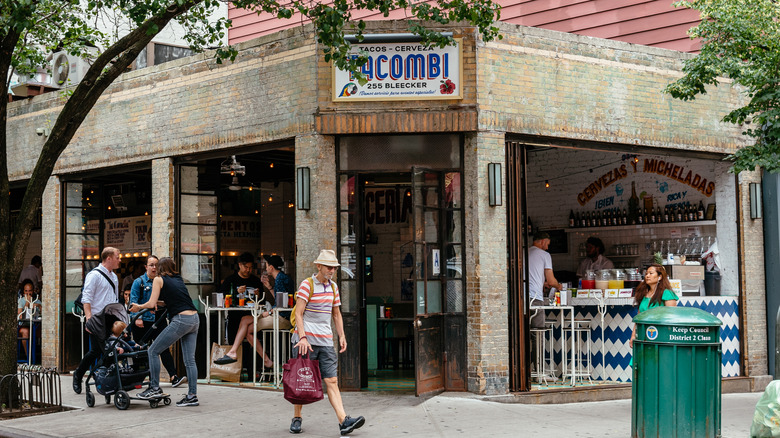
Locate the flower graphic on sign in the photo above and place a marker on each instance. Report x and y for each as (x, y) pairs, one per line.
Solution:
(348, 90)
(651, 333)
(447, 87)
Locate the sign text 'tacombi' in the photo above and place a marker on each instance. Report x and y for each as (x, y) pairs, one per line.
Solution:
(403, 71)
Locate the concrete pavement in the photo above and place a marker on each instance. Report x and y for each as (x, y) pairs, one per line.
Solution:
(238, 412)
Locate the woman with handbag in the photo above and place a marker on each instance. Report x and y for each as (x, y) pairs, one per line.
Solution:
(169, 287)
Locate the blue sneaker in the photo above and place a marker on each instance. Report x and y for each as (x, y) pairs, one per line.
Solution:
(349, 424)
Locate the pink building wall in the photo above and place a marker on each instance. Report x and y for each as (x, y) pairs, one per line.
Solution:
(648, 22)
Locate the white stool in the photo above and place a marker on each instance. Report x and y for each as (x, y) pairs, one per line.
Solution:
(581, 368)
(285, 350)
(542, 371)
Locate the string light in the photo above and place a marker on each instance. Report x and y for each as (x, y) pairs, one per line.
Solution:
(272, 165)
(271, 197)
(547, 184)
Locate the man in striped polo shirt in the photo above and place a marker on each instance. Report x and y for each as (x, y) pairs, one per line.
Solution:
(316, 302)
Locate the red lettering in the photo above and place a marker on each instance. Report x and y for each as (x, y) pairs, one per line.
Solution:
(687, 179)
(675, 169)
(710, 189)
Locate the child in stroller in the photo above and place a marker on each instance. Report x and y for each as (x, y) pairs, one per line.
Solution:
(122, 367)
(121, 338)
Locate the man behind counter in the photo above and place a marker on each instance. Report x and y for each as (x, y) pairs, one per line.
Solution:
(594, 248)
(239, 281)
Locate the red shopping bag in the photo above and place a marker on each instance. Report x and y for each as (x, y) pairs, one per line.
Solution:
(302, 380)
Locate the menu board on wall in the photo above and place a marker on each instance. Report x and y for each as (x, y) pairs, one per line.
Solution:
(240, 233)
(128, 233)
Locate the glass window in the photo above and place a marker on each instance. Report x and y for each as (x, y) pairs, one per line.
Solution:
(197, 209)
(197, 268)
(198, 239)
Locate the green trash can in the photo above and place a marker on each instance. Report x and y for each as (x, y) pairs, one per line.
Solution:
(677, 374)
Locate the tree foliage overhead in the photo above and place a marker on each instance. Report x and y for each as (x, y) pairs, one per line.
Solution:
(740, 41)
(30, 30)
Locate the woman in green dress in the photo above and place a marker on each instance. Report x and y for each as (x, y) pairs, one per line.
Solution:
(653, 292)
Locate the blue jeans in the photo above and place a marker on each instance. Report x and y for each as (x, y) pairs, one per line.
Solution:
(184, 327)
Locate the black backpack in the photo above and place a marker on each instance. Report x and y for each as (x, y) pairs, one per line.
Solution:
(78, 304)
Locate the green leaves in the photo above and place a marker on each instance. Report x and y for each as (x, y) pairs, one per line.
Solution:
(740, 41)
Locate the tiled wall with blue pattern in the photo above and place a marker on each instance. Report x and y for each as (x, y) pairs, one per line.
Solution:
(617, 327)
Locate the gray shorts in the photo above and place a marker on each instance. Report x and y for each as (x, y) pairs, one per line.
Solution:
(328, 358)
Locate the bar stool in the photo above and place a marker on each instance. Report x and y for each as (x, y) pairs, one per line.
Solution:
(549, 324)
(285, 349)
(542, 372)
(581, 368)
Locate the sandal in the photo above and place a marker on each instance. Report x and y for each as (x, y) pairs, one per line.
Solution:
(224, 360)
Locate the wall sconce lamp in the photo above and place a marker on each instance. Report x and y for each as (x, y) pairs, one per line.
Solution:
(755, 201)
(494, 183)
(303, 192)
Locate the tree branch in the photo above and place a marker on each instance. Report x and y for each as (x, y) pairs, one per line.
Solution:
(78, 106)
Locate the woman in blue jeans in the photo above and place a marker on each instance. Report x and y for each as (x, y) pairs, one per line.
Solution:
(169, 288)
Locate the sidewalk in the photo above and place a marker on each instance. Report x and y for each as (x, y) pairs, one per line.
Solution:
(237, 412)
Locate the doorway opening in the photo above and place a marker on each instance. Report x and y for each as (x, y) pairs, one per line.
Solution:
(401, 248)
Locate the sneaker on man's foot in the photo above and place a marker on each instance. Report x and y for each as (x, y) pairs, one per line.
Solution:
(76, 385)
(150, 393)
(188, 400)
(349, 424)
(295, 426)
(176, 381)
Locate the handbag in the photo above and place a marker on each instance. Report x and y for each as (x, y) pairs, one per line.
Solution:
(302, 380)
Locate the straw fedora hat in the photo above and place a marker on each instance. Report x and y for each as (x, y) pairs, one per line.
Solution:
(327, 257)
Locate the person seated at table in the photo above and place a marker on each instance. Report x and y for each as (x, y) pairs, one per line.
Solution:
(595, 260)
(27, 308)
(239, 282)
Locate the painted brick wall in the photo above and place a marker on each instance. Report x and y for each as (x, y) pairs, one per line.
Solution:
(569, 173)
(163, 200)
(753, 305)
(486, 264)
(555, 84)
(316, 228)
(182, 107)
(51, 257)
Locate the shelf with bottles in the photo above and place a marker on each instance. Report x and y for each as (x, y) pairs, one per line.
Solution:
(640, 226)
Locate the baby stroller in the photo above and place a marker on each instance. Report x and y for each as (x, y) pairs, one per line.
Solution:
(115, 373)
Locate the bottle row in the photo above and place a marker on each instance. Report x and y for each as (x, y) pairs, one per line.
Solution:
(613, 217)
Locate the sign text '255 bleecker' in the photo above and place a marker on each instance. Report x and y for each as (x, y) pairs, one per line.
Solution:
(403, 71)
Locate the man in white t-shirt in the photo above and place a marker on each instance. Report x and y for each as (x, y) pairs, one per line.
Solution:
(540, 274)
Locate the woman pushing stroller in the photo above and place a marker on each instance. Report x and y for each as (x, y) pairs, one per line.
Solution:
(169, 287)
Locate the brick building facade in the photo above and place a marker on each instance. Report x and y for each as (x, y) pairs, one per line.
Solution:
(536, 87)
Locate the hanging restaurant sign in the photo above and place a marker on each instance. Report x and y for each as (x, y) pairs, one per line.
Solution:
(403, 71)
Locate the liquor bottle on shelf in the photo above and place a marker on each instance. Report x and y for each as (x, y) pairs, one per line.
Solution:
(586, 219)
(691, 212)
(633, 205)
(615, 217)
(658, 215)
(625, 217)
(666, 214)
(679, 214)
(571, 219)
(640, 217)
(700, 211)
(648, 215)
